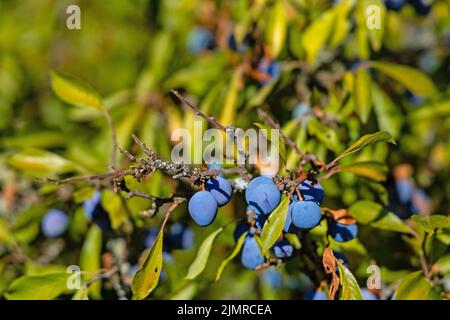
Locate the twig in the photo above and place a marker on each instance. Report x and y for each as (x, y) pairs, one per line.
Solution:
(112, 174)
(275, 125)
(101, 275)
(213, 121)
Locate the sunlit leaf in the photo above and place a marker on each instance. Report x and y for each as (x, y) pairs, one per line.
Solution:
(274, 225)
(415, 287)
(40, 162)
(411, 78)
(432, 223)
(363, 94)
(37, 287)
(199, 264)
(349, 289)
(316, 35)
(75, 92)
(90, 258)
(370, 169)
(113, 204)
(275, 30)
(368, 139)
(146, 278)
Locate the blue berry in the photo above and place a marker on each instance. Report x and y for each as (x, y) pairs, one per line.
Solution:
(203, 208)
(181, 237)
(311, 191)
(288, 226)
(220, 189)
(199, 40)
(306, 214)
(251, 256)
(269, 67)
(394, 5)
(54, 223)
(273, 278)
(150, 237)
(254, 183)
(343, 232)
(283, 249)
(316, 295)
(242, 47)
(90, 205)
(214, 166)
(404, 190)
(367, 295)
(263, 195)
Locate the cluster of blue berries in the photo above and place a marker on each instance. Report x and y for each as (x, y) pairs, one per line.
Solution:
(203, 205)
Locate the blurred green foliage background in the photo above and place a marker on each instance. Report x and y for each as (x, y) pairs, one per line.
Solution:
(326, 95)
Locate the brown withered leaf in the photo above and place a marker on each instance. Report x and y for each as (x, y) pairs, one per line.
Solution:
(341, 216)
(329, 264)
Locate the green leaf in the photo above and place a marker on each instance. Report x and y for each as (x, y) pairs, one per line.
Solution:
(294, 240)
(366, 140)
(411, 78)
(40, 162)
(370, 169)
(199, 264)
(389, 116)
(37, 287)
(317, 34)
(324, 134)
(369, 212)
(147, 277)
(90, 257)
(432, 223)
(432, 111)
(415, 287)
(363, 94)
(6, 236)
(274, 225)
(349, 288)
(342, 24)
(75, 92)
(228, 115)
(233, 254)
(275, 30)
(114, 206)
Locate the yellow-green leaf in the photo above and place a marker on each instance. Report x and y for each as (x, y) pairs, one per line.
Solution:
(75, 92)
(349, 288)
(415, 287)
(275, 30)
(411, 78)
(364, 141)
(233, 254)
(369, 169)
(40, 162)
(6, 236)
(342, 24)
(274, 225)
(37, 287)
(114, 206)
(199, 263)
(147, 277)
(431, 223)
(363, 94)
(317, 34)
(90, 257)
